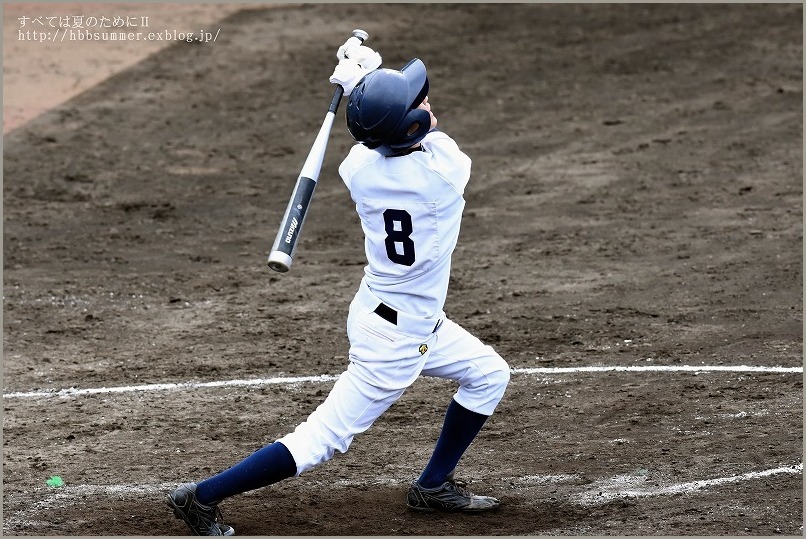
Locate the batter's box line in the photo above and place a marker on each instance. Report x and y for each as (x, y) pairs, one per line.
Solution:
(291, 380)
(624, 487)
(598, 493)
(657, 368)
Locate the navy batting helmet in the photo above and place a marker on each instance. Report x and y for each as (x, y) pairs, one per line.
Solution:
(382, 108)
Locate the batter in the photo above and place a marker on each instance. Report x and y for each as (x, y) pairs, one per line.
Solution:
(407, 180)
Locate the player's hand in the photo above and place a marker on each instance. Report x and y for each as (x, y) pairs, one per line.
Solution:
(347, 74)
(365, 56)
(362, 54)
(352, 43)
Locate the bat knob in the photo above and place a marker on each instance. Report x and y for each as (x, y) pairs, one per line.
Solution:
(279, 261)
(360, 34)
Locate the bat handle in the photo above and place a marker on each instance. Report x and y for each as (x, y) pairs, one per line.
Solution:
(334, 104)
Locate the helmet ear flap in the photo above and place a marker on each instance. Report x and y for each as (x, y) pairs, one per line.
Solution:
(414, 126)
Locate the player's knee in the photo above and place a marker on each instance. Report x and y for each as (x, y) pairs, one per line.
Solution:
(498, 379)
(488, 385)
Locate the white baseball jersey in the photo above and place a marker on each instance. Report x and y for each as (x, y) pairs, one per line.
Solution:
(410, 208)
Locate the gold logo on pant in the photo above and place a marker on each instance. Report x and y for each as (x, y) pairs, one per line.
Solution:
(423, 349)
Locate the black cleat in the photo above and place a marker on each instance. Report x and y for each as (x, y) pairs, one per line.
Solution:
(201, 519)
(450, 496)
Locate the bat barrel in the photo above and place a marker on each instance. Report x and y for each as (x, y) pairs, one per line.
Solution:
(282, 252)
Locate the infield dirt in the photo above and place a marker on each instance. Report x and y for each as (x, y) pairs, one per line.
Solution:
(636, 199)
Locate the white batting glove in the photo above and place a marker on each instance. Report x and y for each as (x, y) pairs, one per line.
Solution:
(366, 57)
(351, 43)
(354, 50)
(348, 73)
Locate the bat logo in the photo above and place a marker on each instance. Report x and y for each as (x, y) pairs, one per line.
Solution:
(291, 230)
(423, 349)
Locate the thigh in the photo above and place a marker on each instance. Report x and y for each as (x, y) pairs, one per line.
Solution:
(351, 407)
(482, 374)
(458, 354)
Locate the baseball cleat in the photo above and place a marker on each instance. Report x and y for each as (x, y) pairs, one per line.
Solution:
(201, 519)
(450, 496)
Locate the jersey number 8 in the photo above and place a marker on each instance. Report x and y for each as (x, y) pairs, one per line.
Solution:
(399, 235)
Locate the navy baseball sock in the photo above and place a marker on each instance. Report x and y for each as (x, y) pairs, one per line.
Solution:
(265, 466)
(460, 429)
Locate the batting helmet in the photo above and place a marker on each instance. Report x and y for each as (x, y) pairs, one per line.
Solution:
(382, 108)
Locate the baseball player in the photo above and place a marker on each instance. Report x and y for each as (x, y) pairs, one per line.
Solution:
(406, 179)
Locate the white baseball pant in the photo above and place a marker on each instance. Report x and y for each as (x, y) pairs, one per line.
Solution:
(385, 359)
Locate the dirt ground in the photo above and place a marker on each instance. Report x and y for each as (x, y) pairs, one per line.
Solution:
(636, 200)
(41, 72)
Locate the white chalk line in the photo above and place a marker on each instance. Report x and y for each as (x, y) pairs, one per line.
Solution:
(598, 493)
(657, 368)
(75, 392)
(626, 486)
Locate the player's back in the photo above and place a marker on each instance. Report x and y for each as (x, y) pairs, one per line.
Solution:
(410, 208)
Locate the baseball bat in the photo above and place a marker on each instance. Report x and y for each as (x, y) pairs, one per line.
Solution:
(285, 244)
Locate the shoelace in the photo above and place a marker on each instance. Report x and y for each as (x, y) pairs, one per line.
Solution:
(460, 486)
(218, 516)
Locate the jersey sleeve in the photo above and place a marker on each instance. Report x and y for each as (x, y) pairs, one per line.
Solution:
(357, 158)
(447, 159)
(346, 168)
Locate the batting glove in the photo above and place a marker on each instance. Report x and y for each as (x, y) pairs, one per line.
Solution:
(352, 43)
(366, 57)
(354, 50)
(348, 73)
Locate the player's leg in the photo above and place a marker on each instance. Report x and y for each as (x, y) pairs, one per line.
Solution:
(265, 466)
(483, 376)
(350, 408)
(371, 383)
(481, 372)
(383, 363)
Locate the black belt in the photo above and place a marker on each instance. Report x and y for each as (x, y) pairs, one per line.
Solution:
(390, 315)
(387, 313)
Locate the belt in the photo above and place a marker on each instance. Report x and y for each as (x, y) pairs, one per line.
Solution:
(387, 313)
(390, 315)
